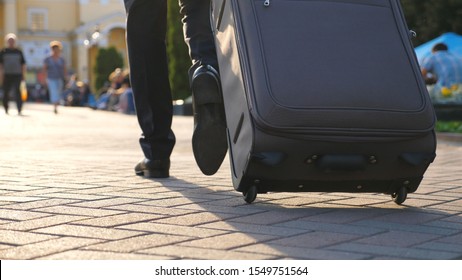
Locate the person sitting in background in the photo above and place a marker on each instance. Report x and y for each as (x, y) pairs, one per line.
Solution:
(445, 69)
(86, 97)
(70, 92)
(126, 103)
(109, 99)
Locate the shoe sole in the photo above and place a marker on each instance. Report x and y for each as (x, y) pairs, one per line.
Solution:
(210, 147)
(152, 174)
(209, 139)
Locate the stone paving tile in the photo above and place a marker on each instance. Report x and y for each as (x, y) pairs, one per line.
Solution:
(198, 197)
(315, 239)
(19, 198)
(406, 227)
(454, 218)
(244, 210)
(329, 227)
(118, 220)
(13, 237)
(166, 201)
(454, 239)
(330, 206)
(141, 196)
(5, 185)
(287, 252)
(98, 255)
(450, 207)
(107, 190)
(423, 201)
(66, 185)
(19, 215)
(70, 195)
(107, 202)
(174, 229)
(392, 251)
(195, 219)
(428, 188)
(142, 189)
(36, 193)
(254, 229)
(228, 241)
(397, 238)
(446, 224)
(305, 200)
(41, 249)
(342, 216)
(41, 222)
(139, 243)
(4, 247)
(410, 217)
(188, 253)
(362, 201)
(152, 209)
(237, 200)
(274, 217)
(4, 203)
(79, 211)
(88, 232)
(39, 204)
(441, 246)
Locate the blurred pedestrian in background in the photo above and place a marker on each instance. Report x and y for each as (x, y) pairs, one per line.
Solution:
(55, 73)
(13, 71)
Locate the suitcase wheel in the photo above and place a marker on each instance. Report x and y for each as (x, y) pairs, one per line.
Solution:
(250, 194)
(400, 195)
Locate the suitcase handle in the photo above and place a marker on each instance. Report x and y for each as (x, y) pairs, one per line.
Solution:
(342, 162)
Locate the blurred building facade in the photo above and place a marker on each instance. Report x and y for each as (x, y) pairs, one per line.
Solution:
(83, 26)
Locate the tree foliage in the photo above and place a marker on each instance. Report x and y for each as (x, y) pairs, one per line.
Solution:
(107, 60)
(178, 57)
(431, 18)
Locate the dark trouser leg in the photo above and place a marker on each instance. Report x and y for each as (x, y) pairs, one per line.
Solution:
(6, 92)
(209, 139)
(17, 93)
(146, 28)
(197, 33)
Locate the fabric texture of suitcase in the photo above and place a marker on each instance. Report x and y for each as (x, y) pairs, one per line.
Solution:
(322, 95)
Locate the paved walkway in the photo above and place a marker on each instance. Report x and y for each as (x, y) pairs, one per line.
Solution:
(68, 191)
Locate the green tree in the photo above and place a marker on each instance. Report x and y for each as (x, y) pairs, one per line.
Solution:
(107, 60)
(178, 56)
(431, 18)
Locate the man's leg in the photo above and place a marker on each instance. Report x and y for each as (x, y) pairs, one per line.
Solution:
(17, 93)
(209, 138)
(6, 92)
(146, 28)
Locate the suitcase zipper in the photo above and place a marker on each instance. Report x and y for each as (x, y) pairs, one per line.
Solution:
(267, 3)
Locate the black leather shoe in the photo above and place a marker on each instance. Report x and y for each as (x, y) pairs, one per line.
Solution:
(209, 141)
(153, 168)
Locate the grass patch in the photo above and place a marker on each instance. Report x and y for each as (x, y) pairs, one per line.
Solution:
(449, 126)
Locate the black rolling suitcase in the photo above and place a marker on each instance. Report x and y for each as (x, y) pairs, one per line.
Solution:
(322, 96)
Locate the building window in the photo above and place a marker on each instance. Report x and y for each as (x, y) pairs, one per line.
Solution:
(37, 19)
